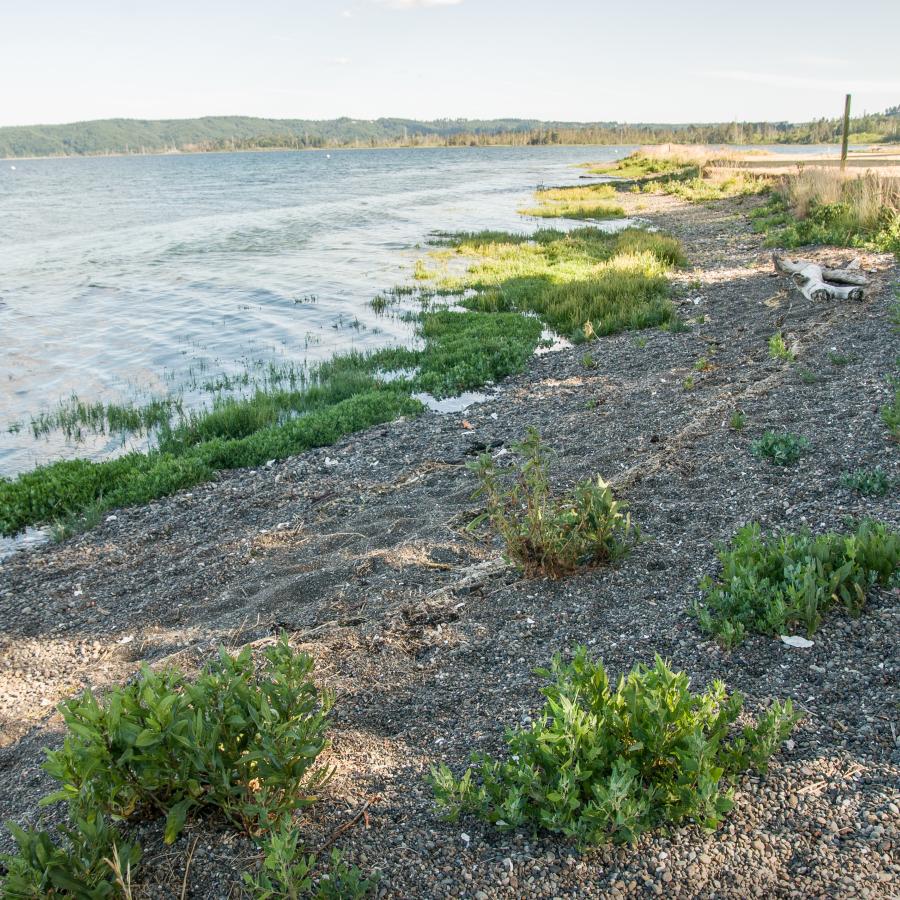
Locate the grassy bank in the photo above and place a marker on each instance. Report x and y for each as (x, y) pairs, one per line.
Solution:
(593, 201)
(822, 206)
(687, 172)
(582, 283)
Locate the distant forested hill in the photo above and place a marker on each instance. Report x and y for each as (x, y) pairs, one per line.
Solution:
(244, 133)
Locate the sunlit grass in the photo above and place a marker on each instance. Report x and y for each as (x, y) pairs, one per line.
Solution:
(578, 202)
(691, 173)
(582, 283)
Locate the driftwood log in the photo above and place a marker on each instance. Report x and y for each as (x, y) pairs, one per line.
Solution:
(816, 282)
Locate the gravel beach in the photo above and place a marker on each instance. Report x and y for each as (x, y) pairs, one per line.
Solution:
(430, 640)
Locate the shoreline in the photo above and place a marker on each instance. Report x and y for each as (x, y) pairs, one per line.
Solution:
(338, 149)
(360, 551)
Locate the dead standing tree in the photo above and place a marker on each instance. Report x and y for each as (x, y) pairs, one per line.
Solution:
(819, 283)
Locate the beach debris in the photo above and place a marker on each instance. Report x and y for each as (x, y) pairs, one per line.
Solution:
(820, 283)
(794, 640)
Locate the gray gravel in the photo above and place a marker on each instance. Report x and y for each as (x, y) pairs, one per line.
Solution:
(430, 640)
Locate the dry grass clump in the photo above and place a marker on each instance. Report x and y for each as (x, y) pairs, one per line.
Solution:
(866, 197)
(824, 206)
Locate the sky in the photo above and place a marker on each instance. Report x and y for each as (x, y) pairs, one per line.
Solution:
(573, 60)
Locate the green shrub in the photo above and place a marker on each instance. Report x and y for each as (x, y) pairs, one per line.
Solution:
(782, 449)
(600, 764)
(287, 874)
(240, 741)
(84, 865)
(737, 420)
(776, 584)
(547, 536)
(778, 349)
(890, 412)
(868, 482)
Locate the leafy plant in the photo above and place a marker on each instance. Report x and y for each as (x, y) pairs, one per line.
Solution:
(83, 865)
(287, 874)
(868, 482)
(737, 420)
(689, 383)
(841, 359)
(778, 349)
(890, 412)
(782, 582)
(782, 449)
(239, 741)
(676, 326)
(601, 764)
(544, 535)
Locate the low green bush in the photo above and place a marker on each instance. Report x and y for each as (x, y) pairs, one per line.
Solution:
(779, 583)
(544, 535)
(778, 349)
(601, 764)
(90, 862)
(868, 482)
(239, 741)
(890, 412)
(781, 449)
(287, 874)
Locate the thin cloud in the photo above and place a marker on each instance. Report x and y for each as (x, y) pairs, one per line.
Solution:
(340, 60)
(417, 4)
(812, 84)
(347, 14)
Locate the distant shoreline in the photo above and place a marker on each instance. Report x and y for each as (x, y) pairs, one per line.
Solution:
(384, 147)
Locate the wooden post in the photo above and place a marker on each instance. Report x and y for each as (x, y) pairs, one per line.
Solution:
(846, 133)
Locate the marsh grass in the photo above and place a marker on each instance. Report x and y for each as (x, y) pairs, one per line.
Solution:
(688, 172)
(593, 201)
(822, 206)
(582, 283)
(461, 350)
(74, 417)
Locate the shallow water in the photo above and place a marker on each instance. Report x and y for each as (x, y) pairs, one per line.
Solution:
(124, 278)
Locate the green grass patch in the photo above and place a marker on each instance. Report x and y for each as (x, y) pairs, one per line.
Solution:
(637, 166)
(582, 283)
(595, 201)
(603, 763)
(780, 583)
(778, 348)
(686, 177)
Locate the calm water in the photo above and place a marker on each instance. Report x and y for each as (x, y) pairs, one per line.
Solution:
(127, 278)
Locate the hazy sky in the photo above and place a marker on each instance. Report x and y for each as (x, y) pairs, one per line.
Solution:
(658, 60)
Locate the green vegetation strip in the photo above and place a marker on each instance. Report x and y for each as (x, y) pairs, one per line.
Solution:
(686, 173)
(589, 202)
(582, 283)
